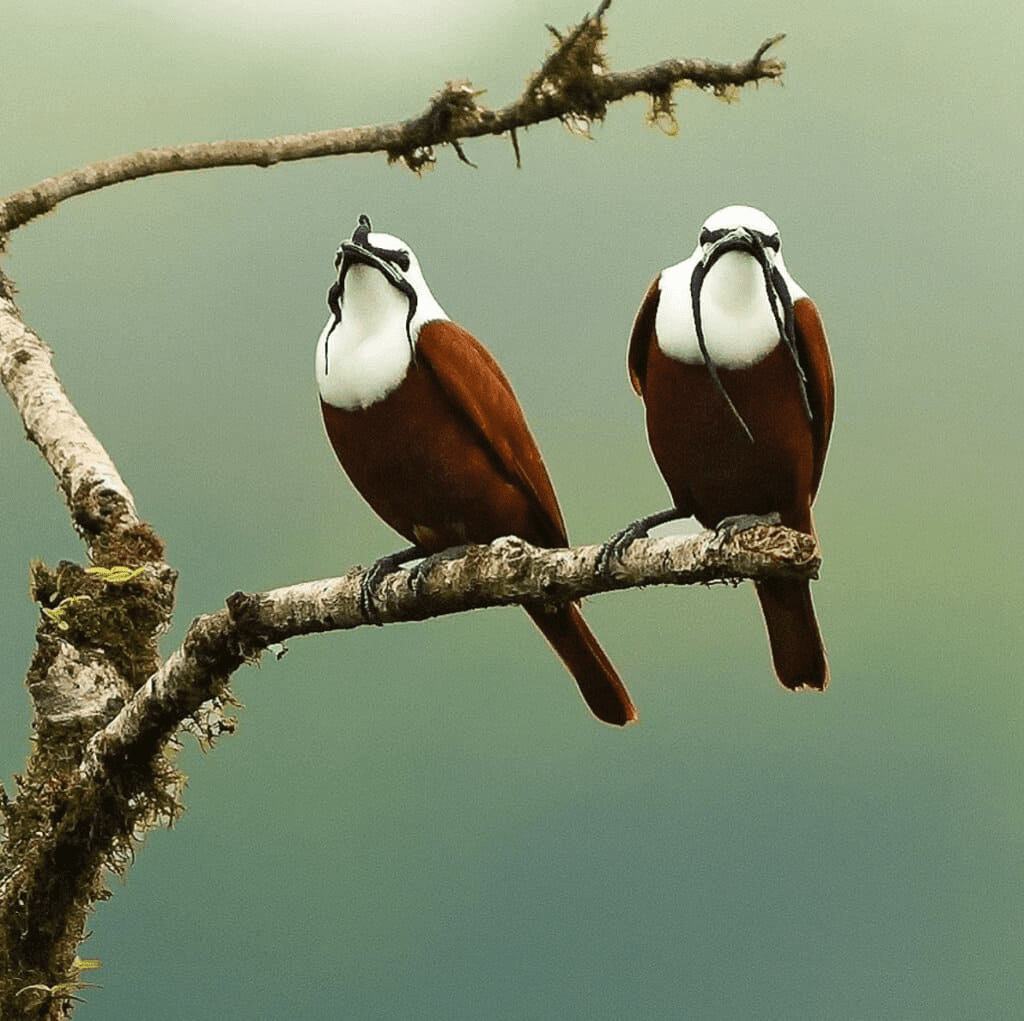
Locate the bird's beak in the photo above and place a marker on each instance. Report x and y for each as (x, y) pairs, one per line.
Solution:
(360, 251)
(352, 253)
(737, 239)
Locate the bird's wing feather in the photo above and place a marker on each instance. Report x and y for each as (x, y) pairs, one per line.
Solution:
(814, 356)
(640, 338)
(474, 382)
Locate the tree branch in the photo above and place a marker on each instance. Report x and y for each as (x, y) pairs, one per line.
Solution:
(572, 86)
(97, 642)
(122, 784)
(96, 495)
(507, 571)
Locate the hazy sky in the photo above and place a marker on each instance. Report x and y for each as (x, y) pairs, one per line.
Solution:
(382, 23)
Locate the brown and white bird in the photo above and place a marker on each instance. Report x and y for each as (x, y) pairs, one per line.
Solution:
(730, 358)
(429, 431)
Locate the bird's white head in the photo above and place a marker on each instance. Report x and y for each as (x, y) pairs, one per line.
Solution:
(731, 302)
(741, 218)
(738, 229)
(377, 271)
(378, 305)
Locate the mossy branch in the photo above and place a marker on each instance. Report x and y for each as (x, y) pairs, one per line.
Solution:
(506, 572)
(573, 86)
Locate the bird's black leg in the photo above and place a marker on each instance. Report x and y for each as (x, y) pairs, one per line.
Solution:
(736, 523)
(621, 541)
(376, 574)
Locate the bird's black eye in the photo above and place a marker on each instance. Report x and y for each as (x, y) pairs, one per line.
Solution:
(396, 256)
(708, 237)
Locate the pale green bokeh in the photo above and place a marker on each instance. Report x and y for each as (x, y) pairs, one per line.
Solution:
(422, 821)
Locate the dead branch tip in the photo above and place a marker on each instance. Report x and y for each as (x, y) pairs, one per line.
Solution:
(765, 47)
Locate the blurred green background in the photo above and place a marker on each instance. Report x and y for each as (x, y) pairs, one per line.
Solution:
(422, 821)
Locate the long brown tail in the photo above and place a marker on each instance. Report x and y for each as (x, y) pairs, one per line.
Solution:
(798, 653)
(567, 632)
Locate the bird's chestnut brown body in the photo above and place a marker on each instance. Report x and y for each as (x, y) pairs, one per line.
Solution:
(748, 436)
(433, 438)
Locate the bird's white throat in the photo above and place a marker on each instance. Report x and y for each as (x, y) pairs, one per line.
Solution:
(738, 322)
(366, 355)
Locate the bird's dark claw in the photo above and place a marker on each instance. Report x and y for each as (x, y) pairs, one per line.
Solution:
(376, 574)
(417, 571)
(613, 549)
(617, 545)
(731, 526)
